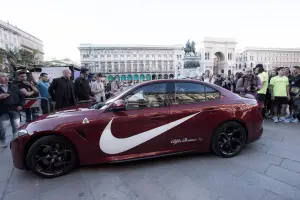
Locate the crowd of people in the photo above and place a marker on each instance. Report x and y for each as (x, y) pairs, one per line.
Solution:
(277, 91)
(60, 93)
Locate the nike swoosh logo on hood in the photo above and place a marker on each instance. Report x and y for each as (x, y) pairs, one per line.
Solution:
(112, 145)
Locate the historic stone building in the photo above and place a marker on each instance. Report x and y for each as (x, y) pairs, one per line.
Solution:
(269, 57)
(146, 62)
(12, 37)
(131, 62)
(217, 55)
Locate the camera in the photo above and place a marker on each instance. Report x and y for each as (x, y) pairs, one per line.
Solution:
(252, 87)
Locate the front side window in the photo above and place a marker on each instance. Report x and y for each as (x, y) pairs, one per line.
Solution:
(187, 93)
(149, 96)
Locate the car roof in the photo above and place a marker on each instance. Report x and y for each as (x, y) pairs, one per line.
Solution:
(221, 89)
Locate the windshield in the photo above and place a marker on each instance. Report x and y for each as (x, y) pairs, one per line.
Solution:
(104, 105)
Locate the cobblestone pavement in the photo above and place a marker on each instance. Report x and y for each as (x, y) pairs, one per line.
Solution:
(268, 169)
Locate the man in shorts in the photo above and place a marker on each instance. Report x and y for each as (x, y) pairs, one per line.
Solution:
(264, 78)
(279, 89)
(295, 94)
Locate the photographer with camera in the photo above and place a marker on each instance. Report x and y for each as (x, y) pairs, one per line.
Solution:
(248, 84)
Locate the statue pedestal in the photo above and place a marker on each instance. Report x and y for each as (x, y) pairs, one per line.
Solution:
(191, 68)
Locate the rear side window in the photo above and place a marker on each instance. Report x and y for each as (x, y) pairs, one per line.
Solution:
(188, 93)
(212, 94)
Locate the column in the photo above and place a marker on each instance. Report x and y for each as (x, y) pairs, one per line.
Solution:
(168, 66)
(105, 67)
(131, 63)
(119, 67)
(156, 66)
(138, 66)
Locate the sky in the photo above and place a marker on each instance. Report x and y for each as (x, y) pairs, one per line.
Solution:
(64, 24)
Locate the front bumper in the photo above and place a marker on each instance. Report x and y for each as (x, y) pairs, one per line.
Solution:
(17, 147)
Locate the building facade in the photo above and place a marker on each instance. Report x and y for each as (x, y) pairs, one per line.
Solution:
(269, 57)
(217, 55)
(12, 37)
(145, 62)
(131, 62)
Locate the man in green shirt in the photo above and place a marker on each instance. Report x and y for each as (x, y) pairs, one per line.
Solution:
(279, 89)
(264, 78)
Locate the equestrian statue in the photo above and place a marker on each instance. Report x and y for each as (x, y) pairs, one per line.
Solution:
(190, 48)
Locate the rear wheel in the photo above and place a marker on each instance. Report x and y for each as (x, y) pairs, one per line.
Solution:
(51, 156)
(229, 139)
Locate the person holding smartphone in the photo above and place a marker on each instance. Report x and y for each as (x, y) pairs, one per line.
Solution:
(29, 90)
(11, 103)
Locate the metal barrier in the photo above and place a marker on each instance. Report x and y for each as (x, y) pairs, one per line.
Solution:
(34, 103)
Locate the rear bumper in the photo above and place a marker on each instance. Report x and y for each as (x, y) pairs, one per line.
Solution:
(18, 151)
(255, 135)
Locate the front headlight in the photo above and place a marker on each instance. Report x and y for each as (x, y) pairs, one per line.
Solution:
(22, 132)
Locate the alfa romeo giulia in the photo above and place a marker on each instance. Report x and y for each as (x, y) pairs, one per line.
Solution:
(151, 119)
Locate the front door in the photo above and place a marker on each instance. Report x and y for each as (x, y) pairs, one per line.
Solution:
(138, 131)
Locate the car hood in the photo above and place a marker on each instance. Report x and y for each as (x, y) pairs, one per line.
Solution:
(71, 113)
(57, 120)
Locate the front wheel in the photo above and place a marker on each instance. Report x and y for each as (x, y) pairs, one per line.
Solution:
(51, 156)
(229, 139)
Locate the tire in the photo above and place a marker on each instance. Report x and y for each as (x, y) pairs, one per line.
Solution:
(229, 132)
(48, 148)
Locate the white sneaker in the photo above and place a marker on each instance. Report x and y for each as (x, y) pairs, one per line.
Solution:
(275, 119)
(3, 144)
(295, 121)
(281, 119)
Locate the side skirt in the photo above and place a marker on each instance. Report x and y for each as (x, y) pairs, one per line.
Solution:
(152, 157)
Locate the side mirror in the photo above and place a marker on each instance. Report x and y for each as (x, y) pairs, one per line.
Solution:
(118, 105)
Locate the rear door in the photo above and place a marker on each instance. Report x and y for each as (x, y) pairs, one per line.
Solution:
(190, 100)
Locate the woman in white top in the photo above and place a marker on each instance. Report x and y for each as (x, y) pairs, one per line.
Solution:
(98, 88)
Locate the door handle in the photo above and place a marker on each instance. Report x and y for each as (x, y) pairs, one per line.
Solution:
(211, 110)
(154, 117)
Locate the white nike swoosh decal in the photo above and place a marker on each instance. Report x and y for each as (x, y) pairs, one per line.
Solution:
(112, 145)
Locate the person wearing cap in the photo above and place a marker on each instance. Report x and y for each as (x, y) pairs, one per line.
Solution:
(82, 86)
(261, 94)
(98, 88)
(43, 86)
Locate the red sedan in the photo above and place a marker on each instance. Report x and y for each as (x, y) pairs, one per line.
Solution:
(152, 119)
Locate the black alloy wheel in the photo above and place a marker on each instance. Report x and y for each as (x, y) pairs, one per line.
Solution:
(51, 156)
(229, 139)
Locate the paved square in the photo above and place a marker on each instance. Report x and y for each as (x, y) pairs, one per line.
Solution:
(268, 169)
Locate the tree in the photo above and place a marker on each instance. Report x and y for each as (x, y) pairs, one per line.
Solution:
(11, 58)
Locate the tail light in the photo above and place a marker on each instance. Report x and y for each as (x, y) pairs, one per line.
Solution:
(250, 100)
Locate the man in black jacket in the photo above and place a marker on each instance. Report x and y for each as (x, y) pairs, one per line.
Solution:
(61, 91)
(82, 86)
(11, 103)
